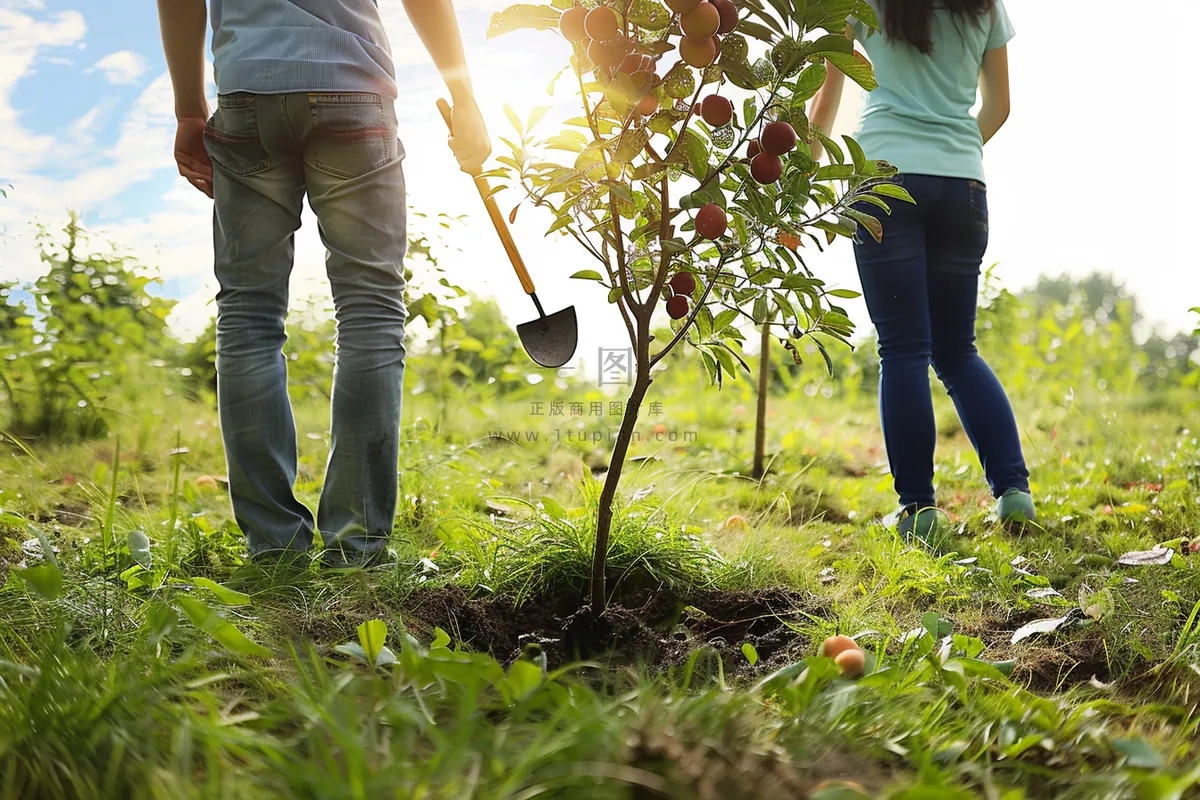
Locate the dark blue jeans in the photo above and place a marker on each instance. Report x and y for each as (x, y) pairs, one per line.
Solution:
(921, 285)
(268, 152)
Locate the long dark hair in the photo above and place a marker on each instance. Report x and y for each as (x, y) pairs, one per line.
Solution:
(912, 20)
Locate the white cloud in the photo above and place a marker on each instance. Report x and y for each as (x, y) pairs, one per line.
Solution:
(123, 66)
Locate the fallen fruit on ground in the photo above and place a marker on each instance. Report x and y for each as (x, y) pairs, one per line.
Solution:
(852, 663)
(736, 521)
(728, 12)
(683, 283)
(601, 24)
(677, 307)
(834, 646)
(701, 22)
(766, 168)
(698, 53)
(716, 110)
(711, 222)
(572, 24)
(778, 138)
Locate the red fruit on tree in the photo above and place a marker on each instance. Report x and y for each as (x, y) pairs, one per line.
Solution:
(729, 15)
(766, 167)
(631, 63)
(571, 24)
(683, 283)
(682, 6)
(606, 54)
(716, 40)
(677, 307)
(698, 53)
(753, 149)
(648, 104)
(701, 22)
(778, 138)
(601, 24)
(716, 110)
(711, 221)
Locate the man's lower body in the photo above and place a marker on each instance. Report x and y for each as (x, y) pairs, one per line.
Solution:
(341, 149)
(921, 285)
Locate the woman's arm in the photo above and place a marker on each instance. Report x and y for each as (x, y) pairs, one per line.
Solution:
(993, 88)
(825, 104)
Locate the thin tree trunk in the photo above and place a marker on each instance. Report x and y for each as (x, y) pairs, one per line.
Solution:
(764, 383)
(608, 494)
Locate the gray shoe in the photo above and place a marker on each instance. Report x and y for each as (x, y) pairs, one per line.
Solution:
(1015, 508)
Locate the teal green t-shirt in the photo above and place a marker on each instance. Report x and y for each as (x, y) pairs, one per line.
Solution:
(920, 116)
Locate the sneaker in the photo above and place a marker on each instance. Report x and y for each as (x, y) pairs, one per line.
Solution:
(1015, 507)
(925, 524)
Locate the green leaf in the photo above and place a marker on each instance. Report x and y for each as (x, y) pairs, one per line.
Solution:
(696, 150)
(139, 548)
(750, 653)
(222, 631)
(588, 275)
(224, 595)
(831, 43)
(856, 67)
(523, 678)
(723, 319)
(553, 508)
(161, 619)
(1139, 753)
(845, 294)
(809, 83)
(523, 16)
(873, 225)
(856, 155)
(440, 639)
(865, 14)
(535, 116)
(560, 223)
(834, 172)
(515, 121)
(44, 580)
(893, 190)
(372, 636)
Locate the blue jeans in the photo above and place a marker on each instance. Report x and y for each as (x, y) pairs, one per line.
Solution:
(921, 285)
(341, 149)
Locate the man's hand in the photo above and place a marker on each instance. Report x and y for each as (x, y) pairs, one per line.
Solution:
(190, 155)
(470, 141)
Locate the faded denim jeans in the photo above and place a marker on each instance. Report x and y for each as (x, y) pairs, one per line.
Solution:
(341, 149)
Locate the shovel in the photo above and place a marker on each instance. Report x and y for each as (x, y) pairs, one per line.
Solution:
(551, 338)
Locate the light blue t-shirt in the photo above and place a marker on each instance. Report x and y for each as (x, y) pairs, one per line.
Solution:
(920, 116)
(277, 46)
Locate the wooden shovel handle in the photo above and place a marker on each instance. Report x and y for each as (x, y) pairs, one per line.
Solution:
(485, 191)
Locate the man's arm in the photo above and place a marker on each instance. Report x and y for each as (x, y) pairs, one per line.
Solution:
(183, 24)
(437, 26)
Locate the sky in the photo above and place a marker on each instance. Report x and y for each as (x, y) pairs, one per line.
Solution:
(1089, 173)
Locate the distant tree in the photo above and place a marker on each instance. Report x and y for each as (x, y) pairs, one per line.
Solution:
(90, 318)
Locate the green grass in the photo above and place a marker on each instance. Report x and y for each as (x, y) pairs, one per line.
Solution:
(175, 671)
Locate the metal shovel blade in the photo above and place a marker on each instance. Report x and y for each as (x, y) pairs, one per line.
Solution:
(550, 340)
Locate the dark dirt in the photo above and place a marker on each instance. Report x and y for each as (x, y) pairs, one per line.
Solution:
(656, 630)
(1044, 665)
